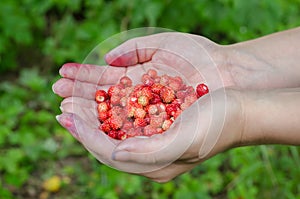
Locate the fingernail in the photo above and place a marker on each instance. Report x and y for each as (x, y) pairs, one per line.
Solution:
(58, 118)
(67, 121)
(57, 87)
(61, 109)
(69, 69)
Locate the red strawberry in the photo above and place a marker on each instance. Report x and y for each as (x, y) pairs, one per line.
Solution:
(156, 121)
(127, 125)
(114, 90)
(156, 87)
(115, 122)
(143, 100)
(171, 109)
(121, 135)
(164, 80)
(155, 99)
(134, 132)
(175, 83)
(139, 122)
(149, 130)
(167, 94)
(103, 107)
(139, 113)
(105, 127)
(201, 90)
(115, 99)
(101, 96)
(147, 80)
(166, 124)
(123, 101)
(113, 134)
(152, 73)
(126, 81)
(152, 109)
(103, 116)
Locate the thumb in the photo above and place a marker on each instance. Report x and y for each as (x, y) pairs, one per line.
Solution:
(134, 51)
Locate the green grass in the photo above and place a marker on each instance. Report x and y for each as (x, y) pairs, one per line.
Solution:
(37, 37)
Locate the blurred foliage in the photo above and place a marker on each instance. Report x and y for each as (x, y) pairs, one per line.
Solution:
(36, 37)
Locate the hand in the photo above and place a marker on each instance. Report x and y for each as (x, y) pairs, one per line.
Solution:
(191, 140)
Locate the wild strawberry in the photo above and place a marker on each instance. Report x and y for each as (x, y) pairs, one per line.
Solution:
(130, 111)
(127, 125)
(155, 99)
(177, 102)
(121, 135)
(105, 127)
(101, 96)
(146, 91)
(201, 90)
(166, 124)
(175, 83)
(159, 130)
(152, 109)
(114, 90)
(139, 122)
(184, 106)
(167, 94)
(115, 100)
(113, 134)
(149, 130)
(147, 118)
(139, 113)
(115, 122)
(164, 80)
(161, 107)
(147, 80)
(156, 121)
(177, 113)
(164, 115)
(103, 107)
(123, 101)
(157, 79)
(171, 109)
(143, 100)
(181, 94)
(138, 88)
(156, 87)
(103, 115)
(152, 73)
(126, 81)
(134, 132)
(190, 99)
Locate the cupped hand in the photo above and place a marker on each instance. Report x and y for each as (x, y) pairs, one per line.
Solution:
(201, 131)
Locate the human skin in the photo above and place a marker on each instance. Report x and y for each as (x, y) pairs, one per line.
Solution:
(259, 79)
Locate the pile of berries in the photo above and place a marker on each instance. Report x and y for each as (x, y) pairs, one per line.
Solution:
(145, 109)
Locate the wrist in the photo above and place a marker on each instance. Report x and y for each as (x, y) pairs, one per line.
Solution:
(272, 117)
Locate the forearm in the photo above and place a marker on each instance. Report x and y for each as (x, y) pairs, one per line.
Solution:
(272, 61)
(272, 117)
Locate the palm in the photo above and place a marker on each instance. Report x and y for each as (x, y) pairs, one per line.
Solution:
(186, 59)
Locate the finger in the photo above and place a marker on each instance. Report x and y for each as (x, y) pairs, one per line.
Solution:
(67, 88)
(168, 173)
(163, 148)
(99, 144)
(80, 101)
(101, 75)
(83, 107)
(92, 138)
(134, 51)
